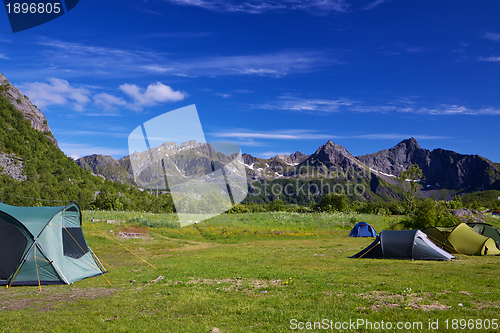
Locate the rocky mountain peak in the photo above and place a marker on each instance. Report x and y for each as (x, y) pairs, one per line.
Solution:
(293, 159)
(410, 144)
(23, 104)
(331, 154)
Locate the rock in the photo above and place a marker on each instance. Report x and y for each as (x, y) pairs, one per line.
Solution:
(467, 215)
(12, 165)
(464, 212)
(444, 167)
(158, 279)
(30, 111)
(107, 167)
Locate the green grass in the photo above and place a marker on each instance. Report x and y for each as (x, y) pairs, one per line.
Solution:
(215, 274)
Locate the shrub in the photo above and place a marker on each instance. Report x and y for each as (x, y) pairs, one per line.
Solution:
(334, 202)
(429, 213)
(276, 205)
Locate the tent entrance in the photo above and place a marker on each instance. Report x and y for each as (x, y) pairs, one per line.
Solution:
(13, 244)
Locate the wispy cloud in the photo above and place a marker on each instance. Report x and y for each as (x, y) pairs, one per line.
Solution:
(290, 134)
(492, 36)
(179, 35)
(276, 64)
(450, 110)
(61, 92)
(85, 60)
(224, 95)
(304, 134)
(489, 59)
(320, 7)
(399, 48)
(81, 133)
(439, 110)
(402, 105)
(109, 102)
(3, 56)
(150, 11)
(373, 4)
(307, 105)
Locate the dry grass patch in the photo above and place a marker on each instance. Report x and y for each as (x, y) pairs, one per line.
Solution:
(383, 299)
(47, 302)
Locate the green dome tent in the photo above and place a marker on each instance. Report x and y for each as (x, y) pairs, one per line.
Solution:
(487, 230)
(462, 239)
(44, 245)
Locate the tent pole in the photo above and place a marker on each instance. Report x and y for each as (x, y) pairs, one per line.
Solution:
(102, 266)
(54, 264)
(102, 272)
(37, 275)
(368, 250)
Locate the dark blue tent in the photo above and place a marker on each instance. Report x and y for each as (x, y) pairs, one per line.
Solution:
(363, 229)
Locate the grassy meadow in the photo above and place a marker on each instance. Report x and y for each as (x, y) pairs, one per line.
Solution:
(261, 272)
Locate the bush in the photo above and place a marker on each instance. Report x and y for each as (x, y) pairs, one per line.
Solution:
(108, 201)
(334, 202)
(429, 213)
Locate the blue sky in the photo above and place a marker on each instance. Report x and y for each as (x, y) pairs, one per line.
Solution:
(273, 77)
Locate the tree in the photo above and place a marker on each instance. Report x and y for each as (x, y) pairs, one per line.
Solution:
(412, 175)
(334, 202)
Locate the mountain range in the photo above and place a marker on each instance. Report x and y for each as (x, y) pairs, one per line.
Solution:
(445, 172)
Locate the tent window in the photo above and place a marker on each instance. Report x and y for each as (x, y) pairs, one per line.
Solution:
(12, 246)
(74, 244)
(72, 209)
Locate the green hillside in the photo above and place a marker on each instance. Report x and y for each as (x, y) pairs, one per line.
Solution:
(55, 179)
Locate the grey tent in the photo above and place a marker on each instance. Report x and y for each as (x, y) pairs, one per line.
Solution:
(44, 245)
(408, 244)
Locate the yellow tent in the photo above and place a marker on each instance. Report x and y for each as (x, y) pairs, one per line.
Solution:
(463, 239)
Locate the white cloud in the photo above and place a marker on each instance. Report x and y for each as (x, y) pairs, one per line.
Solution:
(58, 91)
(307, 105)
(492, 36)
(89, 60)
(3, 56)
(303, 134)
(490, 59)
(289, 134)
(325, 106)
(154, 94)
(61, 92)
(319, 7)
(275, 64)
(224, 95)
(373, 4)
(446, 110)
(108, 102)
(157, 69)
